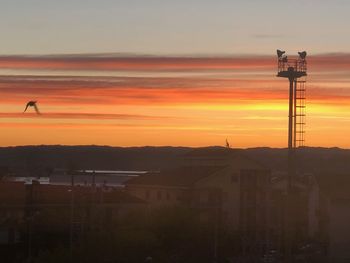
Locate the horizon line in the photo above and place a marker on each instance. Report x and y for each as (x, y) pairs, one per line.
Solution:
(168, 146)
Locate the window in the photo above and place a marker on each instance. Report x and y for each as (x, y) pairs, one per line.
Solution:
(234, 178)
(159, 195)
(225, 196)
(212, 197)
(167, 195)
(147, 194)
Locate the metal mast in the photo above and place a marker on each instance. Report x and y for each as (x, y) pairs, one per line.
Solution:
(295, 70)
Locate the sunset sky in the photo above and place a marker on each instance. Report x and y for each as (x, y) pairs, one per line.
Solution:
(157, 72)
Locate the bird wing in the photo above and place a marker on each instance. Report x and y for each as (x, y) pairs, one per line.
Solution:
(36, 109)
(26, 107)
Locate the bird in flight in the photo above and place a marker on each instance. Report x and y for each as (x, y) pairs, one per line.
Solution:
(32, 104)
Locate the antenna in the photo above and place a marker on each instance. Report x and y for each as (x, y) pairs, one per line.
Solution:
(227, 144)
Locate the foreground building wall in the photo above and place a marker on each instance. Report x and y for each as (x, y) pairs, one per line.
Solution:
(339, 231)
(225, 188)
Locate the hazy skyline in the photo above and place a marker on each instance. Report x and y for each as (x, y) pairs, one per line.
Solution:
(209, 73)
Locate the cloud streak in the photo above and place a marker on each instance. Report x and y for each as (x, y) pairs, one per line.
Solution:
(83, 116)
(157, 91)
(339, 61)
(133, 63)
(160, 96)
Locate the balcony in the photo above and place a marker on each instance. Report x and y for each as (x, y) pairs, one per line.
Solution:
(291, 68)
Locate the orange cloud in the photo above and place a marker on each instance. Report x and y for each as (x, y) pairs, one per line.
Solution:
(88, 116)
(324, 62)
(198, 101)
(146, 63)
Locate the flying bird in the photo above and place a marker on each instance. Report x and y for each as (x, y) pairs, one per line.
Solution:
(280, 53)
(32, 104)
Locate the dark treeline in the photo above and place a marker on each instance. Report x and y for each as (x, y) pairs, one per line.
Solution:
(40, 159)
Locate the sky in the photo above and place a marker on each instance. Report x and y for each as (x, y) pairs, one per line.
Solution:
(157, 72)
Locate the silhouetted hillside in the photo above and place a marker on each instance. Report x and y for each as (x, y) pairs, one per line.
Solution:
(44, 158)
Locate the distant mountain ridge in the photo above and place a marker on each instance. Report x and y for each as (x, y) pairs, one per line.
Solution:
(42, 159)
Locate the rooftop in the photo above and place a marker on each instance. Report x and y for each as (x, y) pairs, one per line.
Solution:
(222, 156)
(16, 193)
(180, 177)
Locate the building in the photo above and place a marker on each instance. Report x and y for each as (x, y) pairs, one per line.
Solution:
(87, 207)
(334, 215)
(221, 184)
(291, 212)
(12, 202)
(36, 216)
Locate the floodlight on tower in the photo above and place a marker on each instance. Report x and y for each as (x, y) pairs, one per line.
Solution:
(280, 53)
(302, 54)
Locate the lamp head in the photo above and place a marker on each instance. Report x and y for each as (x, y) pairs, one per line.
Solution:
(280, 53)
(302, 54)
